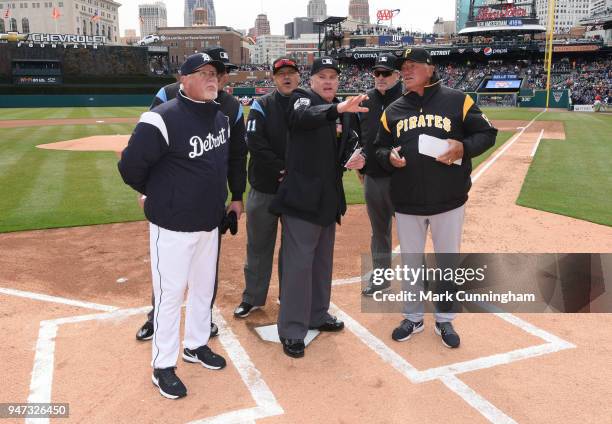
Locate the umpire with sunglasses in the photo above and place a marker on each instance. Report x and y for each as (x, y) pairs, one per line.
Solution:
(375, 179)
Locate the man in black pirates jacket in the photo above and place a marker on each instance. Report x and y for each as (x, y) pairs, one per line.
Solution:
(233, 109)
(179, 156)
(376, 179)
(311, 201)
(430, 191)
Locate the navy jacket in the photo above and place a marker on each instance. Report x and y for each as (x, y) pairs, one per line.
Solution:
(178, 156)
(238, 150)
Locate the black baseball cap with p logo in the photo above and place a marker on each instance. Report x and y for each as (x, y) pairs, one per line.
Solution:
(414, 54)
(325, 62)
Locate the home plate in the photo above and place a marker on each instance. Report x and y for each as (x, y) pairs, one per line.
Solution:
(269, 333)
(99, 122)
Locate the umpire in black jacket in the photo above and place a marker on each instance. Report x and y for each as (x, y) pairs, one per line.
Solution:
(266, 140)
(310, 201)
(376, 179)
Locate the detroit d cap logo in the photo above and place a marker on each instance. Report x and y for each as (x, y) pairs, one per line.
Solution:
(206, 57)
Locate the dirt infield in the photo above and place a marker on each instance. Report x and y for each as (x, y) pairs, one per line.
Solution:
(531, 368)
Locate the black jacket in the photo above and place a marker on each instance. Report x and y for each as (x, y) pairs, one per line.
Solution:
(312, 189)
(424, 186)
(233, 109)
(267, 140)
(178, 156)
(369, 123)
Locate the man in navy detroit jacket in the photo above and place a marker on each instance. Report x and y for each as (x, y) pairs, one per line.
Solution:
(178, 156)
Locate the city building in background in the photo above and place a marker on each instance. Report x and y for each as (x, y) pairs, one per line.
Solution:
(192, 5)
(152, 16)
(78, 17)
(303, 49)
(567, 13)
(317, 10)
(130, 37)
(359, 11)
(298, 27)
(200, 17)
(462, 11)
(442, 27)
(268, 48)
(262, 25)
(183, 41)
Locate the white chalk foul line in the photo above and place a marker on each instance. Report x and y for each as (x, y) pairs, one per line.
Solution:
(486, 408)
(506, 146)
(267, 405)
(535, 148)
(55, 299)
(41, 382)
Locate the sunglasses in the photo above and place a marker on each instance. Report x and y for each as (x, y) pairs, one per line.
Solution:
(385, 74)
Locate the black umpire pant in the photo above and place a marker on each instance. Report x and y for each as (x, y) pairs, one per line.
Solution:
(308, 256)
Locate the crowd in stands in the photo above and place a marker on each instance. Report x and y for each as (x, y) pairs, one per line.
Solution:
(584, 79)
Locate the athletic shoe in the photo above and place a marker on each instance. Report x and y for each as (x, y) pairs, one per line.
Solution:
(333, 324)
(170, 386)
(244, 309)
(293, 347)
(406, 329)
(450, 338)
(373, 288)
(145, 332)
(214, 330)
(204, 356)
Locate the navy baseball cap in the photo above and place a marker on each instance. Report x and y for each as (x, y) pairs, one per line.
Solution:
(220, 54)
(386, 62)
(324, 62)
(196, 61)
(414, 54)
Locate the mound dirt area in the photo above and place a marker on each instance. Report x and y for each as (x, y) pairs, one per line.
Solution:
(96, 143)
(532, 368)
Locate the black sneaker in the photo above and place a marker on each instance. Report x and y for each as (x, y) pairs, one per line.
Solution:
(373, 288)
(204, 356)
(145, 332)
(406, 329)
(293, 347)
(170, 386)
(214, 330)
(244, 309)
(450, 338)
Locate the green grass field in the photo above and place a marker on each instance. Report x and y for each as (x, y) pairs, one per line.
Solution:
(49, 189)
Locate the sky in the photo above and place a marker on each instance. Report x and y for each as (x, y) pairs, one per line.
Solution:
(416, 15)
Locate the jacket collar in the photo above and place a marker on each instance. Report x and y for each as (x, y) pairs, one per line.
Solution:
(311, 91)
(393, 91)
(433, 87)
(210, 106)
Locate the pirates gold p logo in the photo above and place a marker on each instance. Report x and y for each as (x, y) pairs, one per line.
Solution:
(407, 52)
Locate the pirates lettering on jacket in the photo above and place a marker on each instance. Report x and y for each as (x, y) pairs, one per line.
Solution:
(422, 121)
(200, 146)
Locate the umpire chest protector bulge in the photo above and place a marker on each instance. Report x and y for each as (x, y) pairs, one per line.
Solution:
(312, 189)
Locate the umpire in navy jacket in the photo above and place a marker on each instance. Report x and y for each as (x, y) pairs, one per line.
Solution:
(310, 201)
